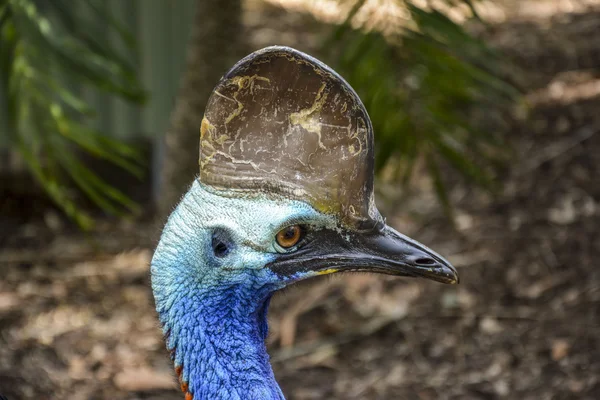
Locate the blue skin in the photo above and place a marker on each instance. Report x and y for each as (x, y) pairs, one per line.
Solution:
(212, 288)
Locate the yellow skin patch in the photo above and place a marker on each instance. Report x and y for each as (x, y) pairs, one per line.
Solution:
(327, 271)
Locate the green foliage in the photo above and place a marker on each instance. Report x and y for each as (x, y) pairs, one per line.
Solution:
(421, 87)
(40, 42)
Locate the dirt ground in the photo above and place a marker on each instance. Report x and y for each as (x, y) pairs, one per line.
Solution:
(77, 318)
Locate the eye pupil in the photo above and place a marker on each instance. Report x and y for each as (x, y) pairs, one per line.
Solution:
(289, 234)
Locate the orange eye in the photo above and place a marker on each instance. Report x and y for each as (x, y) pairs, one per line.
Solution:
(288, 237)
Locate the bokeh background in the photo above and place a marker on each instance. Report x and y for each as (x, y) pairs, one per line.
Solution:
(486, 117)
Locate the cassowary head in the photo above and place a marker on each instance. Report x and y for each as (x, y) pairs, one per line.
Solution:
(285, 192)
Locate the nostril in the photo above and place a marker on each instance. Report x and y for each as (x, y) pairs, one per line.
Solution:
(425, 261)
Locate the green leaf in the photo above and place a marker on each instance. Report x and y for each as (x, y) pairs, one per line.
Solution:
(421, 86)
(56, 192)
(87, 63)
(45, 117)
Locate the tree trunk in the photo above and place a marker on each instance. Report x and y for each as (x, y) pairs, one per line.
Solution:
(215, 45)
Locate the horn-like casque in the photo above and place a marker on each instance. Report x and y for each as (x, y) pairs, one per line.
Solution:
(284, 124)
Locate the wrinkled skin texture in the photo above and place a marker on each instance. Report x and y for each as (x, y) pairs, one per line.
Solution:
(213, 309)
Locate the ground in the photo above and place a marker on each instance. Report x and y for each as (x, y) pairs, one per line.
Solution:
(77, 318)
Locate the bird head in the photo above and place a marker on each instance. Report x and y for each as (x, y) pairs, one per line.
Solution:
(285, 193)
(285, 189)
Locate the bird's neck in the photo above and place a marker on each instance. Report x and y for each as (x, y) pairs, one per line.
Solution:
(217, 338)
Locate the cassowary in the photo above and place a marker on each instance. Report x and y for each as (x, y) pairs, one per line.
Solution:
(285, 193)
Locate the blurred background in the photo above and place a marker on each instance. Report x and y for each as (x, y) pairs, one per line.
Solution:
(486, 117)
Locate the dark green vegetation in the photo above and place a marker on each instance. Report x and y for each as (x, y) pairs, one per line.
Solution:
(420, 84)
(48, 52)
(423, 85)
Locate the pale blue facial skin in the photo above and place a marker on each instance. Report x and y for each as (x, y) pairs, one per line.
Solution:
(213, 307)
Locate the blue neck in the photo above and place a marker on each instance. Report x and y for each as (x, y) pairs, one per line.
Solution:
(217, 336)
(213, 308)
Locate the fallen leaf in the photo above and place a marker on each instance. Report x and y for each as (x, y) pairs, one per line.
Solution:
(560, 349)
(490, 325)
(8, 301)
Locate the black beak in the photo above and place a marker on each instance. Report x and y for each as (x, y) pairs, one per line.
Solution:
(384, 251)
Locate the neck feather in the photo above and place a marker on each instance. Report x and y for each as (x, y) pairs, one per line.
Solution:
(217, 339)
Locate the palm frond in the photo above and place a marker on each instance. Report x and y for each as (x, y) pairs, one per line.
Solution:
(39, 43)
(420, 86)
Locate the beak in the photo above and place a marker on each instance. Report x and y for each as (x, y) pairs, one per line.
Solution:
(383, 251)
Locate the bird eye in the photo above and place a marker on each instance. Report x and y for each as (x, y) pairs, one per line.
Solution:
(289, 236)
